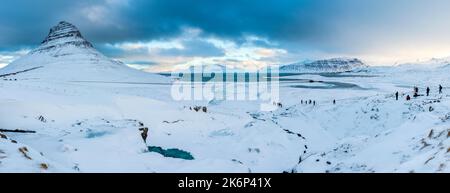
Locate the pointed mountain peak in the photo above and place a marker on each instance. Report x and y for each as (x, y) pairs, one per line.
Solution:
(64, 33)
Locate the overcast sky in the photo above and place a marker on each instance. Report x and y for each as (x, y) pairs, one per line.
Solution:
(163, 34)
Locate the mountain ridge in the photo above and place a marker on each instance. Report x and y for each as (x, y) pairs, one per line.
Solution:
(325, 65)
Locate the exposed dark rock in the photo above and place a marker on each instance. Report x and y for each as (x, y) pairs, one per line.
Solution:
(61, 35)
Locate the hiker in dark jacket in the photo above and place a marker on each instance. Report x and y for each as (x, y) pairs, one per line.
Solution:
(334, 101)
(428, 91)
(396, 96)
(440, 89)
(408, 97)
(416, 92)
(314, 103)
(280, 105)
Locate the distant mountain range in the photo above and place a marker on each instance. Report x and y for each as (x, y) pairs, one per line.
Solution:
(328, 65)
(307, 66)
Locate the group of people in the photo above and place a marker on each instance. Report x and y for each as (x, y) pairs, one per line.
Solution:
(308, 102)
(278, 104)
(11, 79)
(416, 92)
(199, 108)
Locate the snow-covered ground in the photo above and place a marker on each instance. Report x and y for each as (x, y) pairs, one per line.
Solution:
(94, 127)
(88, 113)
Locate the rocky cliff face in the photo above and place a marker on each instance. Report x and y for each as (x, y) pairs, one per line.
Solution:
(61, 35)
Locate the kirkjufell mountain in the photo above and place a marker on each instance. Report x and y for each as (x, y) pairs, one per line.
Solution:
(66, 55)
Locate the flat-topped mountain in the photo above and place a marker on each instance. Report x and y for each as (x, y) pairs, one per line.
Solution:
(328, 65)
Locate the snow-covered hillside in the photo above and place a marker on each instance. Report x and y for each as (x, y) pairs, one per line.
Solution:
(127, 121)
(320, 66)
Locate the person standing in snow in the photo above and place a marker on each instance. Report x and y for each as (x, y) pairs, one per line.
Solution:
(334, 101)
(408, 97)
(428, 91)
(314, 103)
(440, 89)
(301, 102)
(416, 91)
(396, 96)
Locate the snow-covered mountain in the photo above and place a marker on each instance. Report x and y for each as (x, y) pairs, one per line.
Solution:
(66, 55)
(328, 65)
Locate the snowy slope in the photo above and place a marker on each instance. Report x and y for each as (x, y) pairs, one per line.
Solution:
(329, 65)
(66, 55)
(95, 127)
(17, 157)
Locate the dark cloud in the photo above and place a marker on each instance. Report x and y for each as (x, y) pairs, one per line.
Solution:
(26, 22)
(194, 48)
(222, 18)
(338, 26)
(111, 50)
